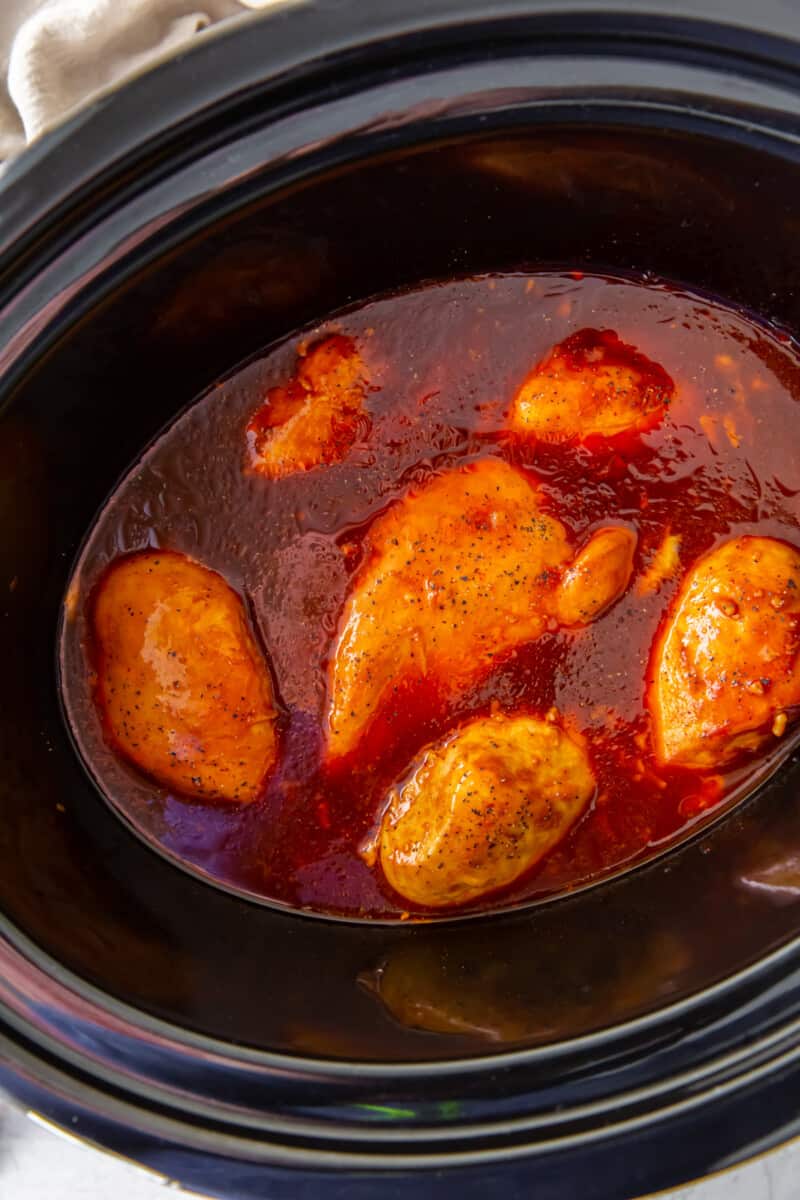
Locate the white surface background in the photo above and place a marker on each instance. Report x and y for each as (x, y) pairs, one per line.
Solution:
(36, 1164)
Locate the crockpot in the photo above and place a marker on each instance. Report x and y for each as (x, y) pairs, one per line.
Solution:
(608, 1044)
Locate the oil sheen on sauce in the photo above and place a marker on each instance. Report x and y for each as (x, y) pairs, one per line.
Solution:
(446, 361)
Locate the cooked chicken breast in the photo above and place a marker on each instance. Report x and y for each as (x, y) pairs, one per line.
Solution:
(481, 808)
(725, 668)
(591, 384)
(182, 687)
(315, 417)
(457, 573)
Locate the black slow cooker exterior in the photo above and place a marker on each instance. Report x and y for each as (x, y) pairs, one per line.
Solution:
(609, 1044)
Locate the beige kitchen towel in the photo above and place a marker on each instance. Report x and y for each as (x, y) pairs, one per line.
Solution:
(59, 54)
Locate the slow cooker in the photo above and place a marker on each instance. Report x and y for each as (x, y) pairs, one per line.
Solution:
(608, 1044)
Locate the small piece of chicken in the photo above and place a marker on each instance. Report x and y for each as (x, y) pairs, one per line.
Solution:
(316, 417)
(725, 667)
(588, 385)
(457, 572)
(182, 687)
(598, 576)
(662, 566)
(481, 807)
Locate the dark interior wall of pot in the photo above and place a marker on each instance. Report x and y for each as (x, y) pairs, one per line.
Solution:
(716, 215)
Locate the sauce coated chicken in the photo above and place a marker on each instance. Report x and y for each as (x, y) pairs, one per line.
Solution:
(315, 417)
(457, 573)
(726, 669)
(184, 692)
(591, 385)
(463, 510)
(481, 808)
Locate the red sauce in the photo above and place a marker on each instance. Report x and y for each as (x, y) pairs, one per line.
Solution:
(445, 363)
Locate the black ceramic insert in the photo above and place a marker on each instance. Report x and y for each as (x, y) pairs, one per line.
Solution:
(613, 1042)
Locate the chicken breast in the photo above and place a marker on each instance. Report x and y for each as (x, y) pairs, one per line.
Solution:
(591, 384)
(456, 573)
(725, 670)
(316, 417)
(184, 692)
(481, 808)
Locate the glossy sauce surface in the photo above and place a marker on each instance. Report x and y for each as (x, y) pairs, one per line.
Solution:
(444, 364)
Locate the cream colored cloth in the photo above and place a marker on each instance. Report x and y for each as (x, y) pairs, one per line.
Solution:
(59, 54)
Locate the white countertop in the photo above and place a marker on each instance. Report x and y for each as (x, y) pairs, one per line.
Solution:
(38, 1164)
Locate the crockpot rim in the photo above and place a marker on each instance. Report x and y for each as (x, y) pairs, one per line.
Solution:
(396, 24)
(139, 1019)
(473, 1062)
